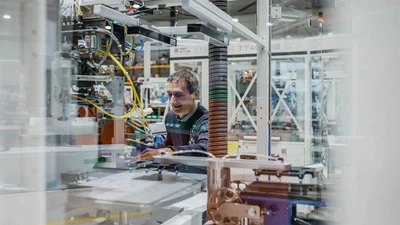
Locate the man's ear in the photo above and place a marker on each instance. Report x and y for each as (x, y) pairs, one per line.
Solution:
(196, 94)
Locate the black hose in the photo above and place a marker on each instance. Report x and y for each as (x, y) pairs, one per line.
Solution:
(218, 94)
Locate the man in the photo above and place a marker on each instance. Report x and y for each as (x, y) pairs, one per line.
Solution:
(187, 122)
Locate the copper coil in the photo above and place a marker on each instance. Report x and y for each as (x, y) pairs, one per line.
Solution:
(218, 126)
(218, 117)
(219, 121)
(218, 112)
(218, 130)
(215, 125)
(216, 101)
(219, 144)
(224, 138)
(218, 147)
(218, 106)
(218, 135)
(213, 129)
(217, 138)
(220, 151)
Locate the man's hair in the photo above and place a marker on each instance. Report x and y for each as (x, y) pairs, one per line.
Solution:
(192, 84)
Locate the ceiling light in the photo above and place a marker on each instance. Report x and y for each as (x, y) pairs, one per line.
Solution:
(235, 20)
(108, 28)
(7, 17)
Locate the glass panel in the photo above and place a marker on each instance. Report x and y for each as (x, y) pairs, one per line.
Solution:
(159, 61)
(242, 98)
(329, 108)
(287, 99)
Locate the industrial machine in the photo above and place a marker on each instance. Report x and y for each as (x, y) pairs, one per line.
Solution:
(240, 200)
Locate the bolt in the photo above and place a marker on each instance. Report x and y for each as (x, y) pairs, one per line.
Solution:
(251, 212)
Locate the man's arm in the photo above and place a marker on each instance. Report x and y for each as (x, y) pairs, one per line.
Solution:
(201, 131)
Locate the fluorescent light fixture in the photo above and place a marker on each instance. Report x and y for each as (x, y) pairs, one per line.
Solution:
(204, 14)
(7, 17)
(235, 20)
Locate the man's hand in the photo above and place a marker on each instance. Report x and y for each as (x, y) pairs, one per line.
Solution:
(148, 153)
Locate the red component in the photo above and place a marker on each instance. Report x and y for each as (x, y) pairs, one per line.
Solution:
(129, 8)
(321, 17)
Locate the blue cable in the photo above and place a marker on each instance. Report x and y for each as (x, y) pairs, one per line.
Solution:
(141, 47)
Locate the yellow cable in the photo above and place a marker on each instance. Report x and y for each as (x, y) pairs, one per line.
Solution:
(105, 112)
(135, 94)
(130, 49)
(132, 86)
(79, 9)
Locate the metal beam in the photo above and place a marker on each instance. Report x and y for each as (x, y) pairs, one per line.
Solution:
(206, 9)
(264, 77)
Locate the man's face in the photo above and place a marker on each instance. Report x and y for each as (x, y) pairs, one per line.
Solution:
(182, 102)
